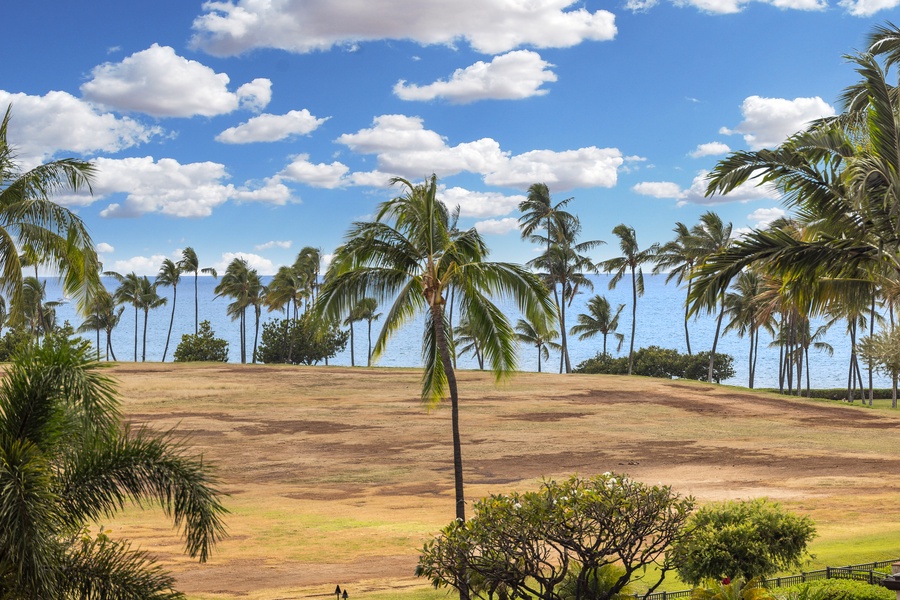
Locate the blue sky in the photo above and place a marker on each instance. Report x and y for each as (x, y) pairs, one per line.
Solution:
(256, 127)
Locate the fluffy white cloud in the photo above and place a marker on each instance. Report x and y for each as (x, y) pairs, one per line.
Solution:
(104, 248)
(263, 266)
(479, 204)
(762, 217)
(490, 26)
(585, 167)
(44, 126)
(404, 147)
(733, 6)
(867, 8)
(171, 188)
(284, 245)
(142, 265)
(512, 76)
(497, 226)
(710, 149)
(316, 175)
(271, 128)
(658, 189)
(158, 82)
(769, 121)
(696, 194)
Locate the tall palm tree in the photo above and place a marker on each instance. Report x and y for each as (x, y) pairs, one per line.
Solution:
(367, 308)
(679, 257)
(631, 261)
(408, 257)
(243, 285)
(538, 335)
(465, 340)
(307, 267)
(189, 263)
(564, 265)
(599, 319)
(257, 298)
(711, 236)
(68, 461)
(104, 317)
(169, 275)
(54, 236)
(149, 299)
(38, 315)
(129, 292)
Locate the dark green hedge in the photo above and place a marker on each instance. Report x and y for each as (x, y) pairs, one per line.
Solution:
(654, 361)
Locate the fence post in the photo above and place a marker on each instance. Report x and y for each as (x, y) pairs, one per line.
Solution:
(802, 577)
(827, 572)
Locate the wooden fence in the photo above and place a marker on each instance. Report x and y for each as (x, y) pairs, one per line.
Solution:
(871, 573)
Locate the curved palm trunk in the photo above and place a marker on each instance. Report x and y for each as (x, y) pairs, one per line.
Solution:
(712, 354)
(633, 320)
(437, 318)
(255, 333)
(369, 350)
(144, 341)
(135, 331)
(171, 321)
(687, 335)
(109, 347)
(352, 359)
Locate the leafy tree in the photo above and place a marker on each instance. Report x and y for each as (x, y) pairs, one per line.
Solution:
(68, 462)
(311, 341)
(169, 275)
(15, 341)
(104, 317)
(50, 234)
(599, 319)
(149, 299)
(410, 257)
(679, 257)
(243, 284)
(190, 263)
(202, 346)
(532, 544)
(367, 308)
(712, 236)
(733, 589)
(746, 539)
(129, 292)
(631, 261)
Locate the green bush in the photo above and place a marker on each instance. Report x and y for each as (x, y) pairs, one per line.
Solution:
(599, 584)
(202, 346)
(299, 341)
(13, 342)
(835, 589)
(666, 363)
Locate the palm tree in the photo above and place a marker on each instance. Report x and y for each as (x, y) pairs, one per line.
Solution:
(169, 275)
(366, 309)
(564, 265)
(257, 298)
(599, 319)
(39, 316)
(128, 292)
(243, 284)
(149, 299)
(679, 257)
(408, 257)
(307, 266)
(54, 236)
(538, 335)
(68, 461)
(465, 340)
(712, 236)
(104, 317)
(189, 263)
(632, 261)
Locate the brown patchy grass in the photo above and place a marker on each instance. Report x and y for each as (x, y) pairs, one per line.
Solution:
(338, 475)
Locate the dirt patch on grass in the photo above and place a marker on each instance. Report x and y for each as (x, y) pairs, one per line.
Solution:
(338, 475)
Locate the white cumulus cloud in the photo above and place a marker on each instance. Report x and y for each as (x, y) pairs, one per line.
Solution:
(230, 27)
(512, 76)
(584, 167)
(710, 149)
(141, 265)
(284, 245)
(158, 82)
(763, 217)
(317, 175)
(104, 248)
(57, 122)
(479, 204)
(721, 7)
(497, 226)
(658, 189)
(747, 192)
(770, 121)
(271, 128)
(263, 266)
(867, 8)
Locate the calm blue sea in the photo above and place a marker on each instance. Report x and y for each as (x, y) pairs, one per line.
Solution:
(659, 322)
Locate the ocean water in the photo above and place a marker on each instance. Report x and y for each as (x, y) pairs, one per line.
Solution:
(659, 322)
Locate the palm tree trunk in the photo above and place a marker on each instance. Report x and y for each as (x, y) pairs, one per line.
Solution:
(144, 341)
(255, 333)
(196, 305)
(633, 320)
(369, 349)
(135, 331)
(109, 346)
(352, 360)
(712, 354)
(894, 391)
(750, 363)
(871, 333)
(98, 343)
(807, 373)
(171, 321)
(781, 356)
(562, 327)
(687, 335)
(539, 357)
(562, 346)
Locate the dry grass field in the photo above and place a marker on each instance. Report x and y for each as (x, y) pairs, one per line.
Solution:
(338, 475)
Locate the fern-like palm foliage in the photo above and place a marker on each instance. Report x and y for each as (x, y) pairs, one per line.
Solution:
(50, 234)
(412, 258)
(66, 462)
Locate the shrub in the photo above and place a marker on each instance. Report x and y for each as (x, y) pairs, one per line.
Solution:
(202, 346)
(599, 583)
(836, 589)
(299, 341)
(13, 342)
(654, 361)
(741, 539)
